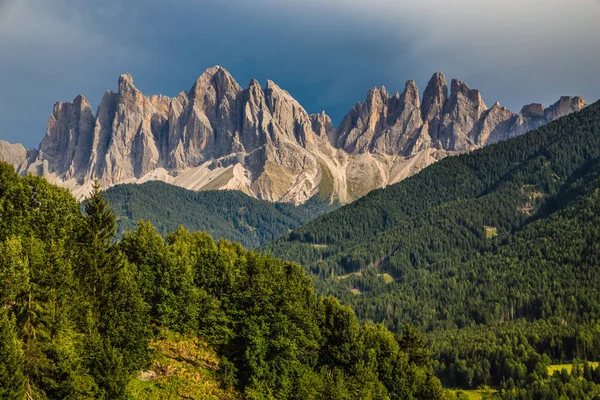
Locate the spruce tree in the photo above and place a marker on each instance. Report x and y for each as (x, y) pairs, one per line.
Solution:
(12, 377)
(412, 343)
(117, 322)
(100, 224)
(98, 231)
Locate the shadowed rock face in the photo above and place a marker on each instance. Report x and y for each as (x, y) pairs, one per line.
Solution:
(457, 122)
(261, 141)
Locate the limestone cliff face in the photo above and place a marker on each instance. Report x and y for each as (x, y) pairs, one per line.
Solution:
(495, 125)
(14, 154)
(564, 106)
(261, 141)
(461, 114)
(450, 122)
(216, 135)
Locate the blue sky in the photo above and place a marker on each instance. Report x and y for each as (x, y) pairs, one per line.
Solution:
(326, 53)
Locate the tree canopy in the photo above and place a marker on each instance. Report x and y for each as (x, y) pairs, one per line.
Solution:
(79, 308)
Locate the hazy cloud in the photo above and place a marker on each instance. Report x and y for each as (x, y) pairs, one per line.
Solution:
(326, 53)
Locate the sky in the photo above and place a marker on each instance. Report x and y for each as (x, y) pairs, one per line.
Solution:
(326, 53)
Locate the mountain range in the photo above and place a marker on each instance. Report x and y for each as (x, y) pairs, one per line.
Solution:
(261, 141)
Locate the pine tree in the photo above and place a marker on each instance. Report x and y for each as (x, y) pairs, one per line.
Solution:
(117, 322)
(12, 377)
(100, 223)
(413, 344)
(145, 248)
(98, 231)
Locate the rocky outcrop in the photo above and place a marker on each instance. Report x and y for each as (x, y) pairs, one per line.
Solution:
(564, 106)
(461, 114)
(434, 98)
(261, 141)
(14, 154)
(494, 126)
(455, 122)
(321, 124)
(532, 116)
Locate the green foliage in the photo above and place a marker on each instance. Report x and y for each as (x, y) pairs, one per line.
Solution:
(100, 224)
(505, 237)
(38, 289)
(12, 376)
(118, 329)
(166, 278)
(583, 383)
(78, 310)
(224, 214)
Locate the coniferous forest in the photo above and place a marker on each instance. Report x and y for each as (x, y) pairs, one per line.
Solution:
(492, 255)
(79, 311)
(224, 214)
(481, 271)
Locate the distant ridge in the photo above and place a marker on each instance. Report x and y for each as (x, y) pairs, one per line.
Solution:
(224, 214)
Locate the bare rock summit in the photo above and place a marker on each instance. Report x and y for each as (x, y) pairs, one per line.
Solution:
(260, 140)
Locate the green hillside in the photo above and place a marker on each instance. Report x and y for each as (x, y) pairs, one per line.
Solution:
(83, 316)
(229, 215)
(494, 254)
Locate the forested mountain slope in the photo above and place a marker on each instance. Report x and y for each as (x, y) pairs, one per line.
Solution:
(224, 214)
(82, 315)
(537, 164)
(506, 237)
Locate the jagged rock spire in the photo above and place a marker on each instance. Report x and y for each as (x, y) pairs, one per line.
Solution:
(262, 141)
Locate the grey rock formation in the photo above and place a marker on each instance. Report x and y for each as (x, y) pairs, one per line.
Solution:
(14, 154)
(460, 121)
(322, 125)
(494, 125)
(434, 99)
(260, 139)
(564, 106)
(460, 117)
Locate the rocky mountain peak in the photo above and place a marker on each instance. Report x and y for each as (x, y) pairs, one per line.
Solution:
(272, 86)
(126, 84)
(533, 110)
(565, 105)
(438, 79)
(213, 74)
(14, 154)
(81, 102)
(383, 92)
(411, 94)
(275, 93)
(457, 86)
(434, 97)
(374, 96)
(321, 124)
(215, 82)
(263, 142)
(254, 86)
(461, 115)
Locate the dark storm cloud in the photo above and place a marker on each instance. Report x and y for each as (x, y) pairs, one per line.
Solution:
(326, 54)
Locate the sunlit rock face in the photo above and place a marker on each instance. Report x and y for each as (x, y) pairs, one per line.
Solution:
(261, 141)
